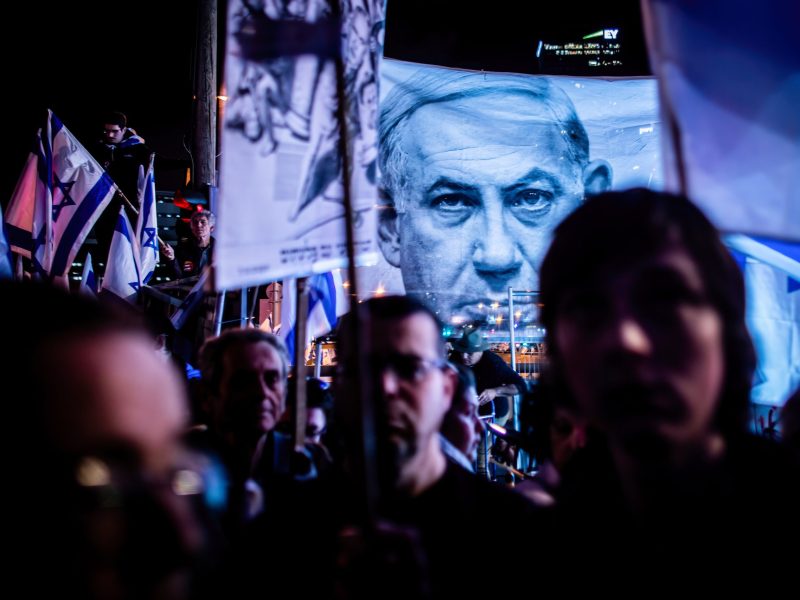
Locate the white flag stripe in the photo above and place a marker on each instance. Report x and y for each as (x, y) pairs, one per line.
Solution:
(191, 301)
(59, 196)
(88, 282)
(737, 143)
(19, 216)
(765, 254)
(147, 223)
(122, 270)
(327, 301)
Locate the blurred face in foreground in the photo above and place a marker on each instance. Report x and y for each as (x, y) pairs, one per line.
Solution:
(119, 412)
(641, 350)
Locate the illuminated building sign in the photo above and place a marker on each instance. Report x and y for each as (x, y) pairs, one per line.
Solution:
(598, 49)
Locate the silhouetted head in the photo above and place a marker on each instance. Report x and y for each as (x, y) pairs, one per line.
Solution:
(644, 313)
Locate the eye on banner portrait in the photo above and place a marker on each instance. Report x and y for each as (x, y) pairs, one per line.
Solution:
(478, 168)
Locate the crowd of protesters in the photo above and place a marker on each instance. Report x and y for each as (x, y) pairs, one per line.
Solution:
(649, 475)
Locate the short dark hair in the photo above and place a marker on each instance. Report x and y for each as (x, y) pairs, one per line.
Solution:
(318, 395)
(385, 308)
(116, 118)
(214, 350)
(38, 314)
(611, 228)
(37, 317)
(790, 421)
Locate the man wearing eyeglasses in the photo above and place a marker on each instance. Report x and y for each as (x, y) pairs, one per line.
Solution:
(103, 499)
(430, 511)
(412, 390)
(121, 152)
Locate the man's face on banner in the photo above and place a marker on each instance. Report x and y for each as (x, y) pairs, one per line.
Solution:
(489, 178)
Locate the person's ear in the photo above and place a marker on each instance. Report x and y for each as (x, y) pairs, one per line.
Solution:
(596, 177)
(389, 232)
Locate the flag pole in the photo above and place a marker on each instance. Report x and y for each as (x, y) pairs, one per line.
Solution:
(366, 461)
(299, 417)
(130, 204)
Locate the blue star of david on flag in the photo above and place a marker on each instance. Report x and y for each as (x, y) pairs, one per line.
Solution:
(59, 173)
(122, 269)
(66, 200)
(150, 238)
(146, 223)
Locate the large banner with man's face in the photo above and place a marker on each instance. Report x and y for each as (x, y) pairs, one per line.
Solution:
(477, 169)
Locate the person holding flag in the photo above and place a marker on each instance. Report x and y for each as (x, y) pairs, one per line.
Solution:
(122, 153)
(58, 198)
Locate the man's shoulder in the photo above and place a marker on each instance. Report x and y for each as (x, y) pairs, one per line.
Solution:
(99, 148)
(139, 150)
(493, 358)
(135, 146)
(473, 490)
(495, 362)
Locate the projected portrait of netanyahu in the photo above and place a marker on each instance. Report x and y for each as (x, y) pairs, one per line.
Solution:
(476, 172)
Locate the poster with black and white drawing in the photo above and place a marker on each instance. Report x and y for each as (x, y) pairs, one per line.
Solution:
(281, 176)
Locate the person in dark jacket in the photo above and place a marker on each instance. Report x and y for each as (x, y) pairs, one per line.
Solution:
(431, 513)
(122, 153)
(195, 253)
(494, 379)
(644, 309)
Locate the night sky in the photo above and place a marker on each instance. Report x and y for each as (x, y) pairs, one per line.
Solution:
(83, 58)
(466, 35)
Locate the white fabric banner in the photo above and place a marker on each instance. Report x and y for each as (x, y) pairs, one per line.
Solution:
(730, 80)
(281, 209)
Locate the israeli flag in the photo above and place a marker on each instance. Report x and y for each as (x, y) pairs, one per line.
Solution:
(327, 301)
(772, 280)
(736, 152)
(60, 194)
(122, 269)
(146, 223)
(190, 303)
(88, 280)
